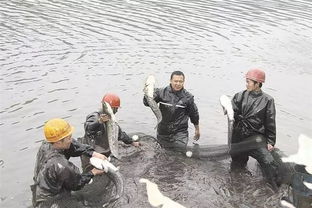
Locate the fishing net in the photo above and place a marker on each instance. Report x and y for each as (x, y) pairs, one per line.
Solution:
(185, 180)
(99, 193)
(224, 151)
(299, 194)
(63, 202)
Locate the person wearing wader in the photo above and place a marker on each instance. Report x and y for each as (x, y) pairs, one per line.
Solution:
(96, 133)
(254, 115)
(301, 194)
(177, 106)
(54, 175)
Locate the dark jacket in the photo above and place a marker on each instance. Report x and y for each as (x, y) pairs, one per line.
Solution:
(254, 113)
(176, 108)
(96, 136)
(54, 175)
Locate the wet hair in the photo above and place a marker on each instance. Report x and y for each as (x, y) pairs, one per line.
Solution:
(255, 82)
(178, 73)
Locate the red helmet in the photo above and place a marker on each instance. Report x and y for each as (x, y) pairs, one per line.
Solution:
(112, 99)
(256, 75)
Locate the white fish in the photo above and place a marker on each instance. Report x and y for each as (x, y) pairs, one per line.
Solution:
(149, 96)
(112, 129)
(227, 106)
(304, 154)
(113, 173)
(149, 86)
(286, 204)
(228, 110)
(308, 185)
(103, 164)
(156, 198)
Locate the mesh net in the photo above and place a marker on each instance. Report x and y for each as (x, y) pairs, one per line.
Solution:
(185, 180)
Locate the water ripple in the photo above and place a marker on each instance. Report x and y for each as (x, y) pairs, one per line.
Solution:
(55, 90)
(51, 51)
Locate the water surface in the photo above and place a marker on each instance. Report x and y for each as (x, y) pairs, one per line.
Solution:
(58, 58)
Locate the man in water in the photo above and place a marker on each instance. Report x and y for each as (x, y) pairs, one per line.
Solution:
(54, 176)
(254, 114)
(177, 106)
(95, 130)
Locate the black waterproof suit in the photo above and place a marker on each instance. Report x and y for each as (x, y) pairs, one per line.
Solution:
(176, 108)
(55, 176)
(301, 194)
(96, 136)
(254, 114)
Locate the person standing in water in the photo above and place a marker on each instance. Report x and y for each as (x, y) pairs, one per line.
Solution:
(54, 175)
(177, 106)
(96, 132)
(254, 115)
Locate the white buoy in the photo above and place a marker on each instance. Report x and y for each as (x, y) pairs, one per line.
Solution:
(189, 153)
(135, 137)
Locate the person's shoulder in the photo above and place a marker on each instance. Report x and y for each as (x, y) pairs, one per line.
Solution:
(58, 162)
(161, 89)
(240, 93)
(239, 96)
(166, 88)
(95, 113)
(45, 147)
(267, 96)
(187, 94)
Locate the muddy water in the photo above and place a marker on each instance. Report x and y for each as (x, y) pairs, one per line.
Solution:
(58, 58)
(192, 182)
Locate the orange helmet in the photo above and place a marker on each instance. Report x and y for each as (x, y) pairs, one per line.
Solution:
(57, 129)
(112, 99)
(256, 75)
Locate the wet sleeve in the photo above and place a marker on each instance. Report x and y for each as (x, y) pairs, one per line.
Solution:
(92, 122)
(123, 136)
(77, 149)
(235, 103)
(70, 177)
(193, 111)
(270, 126)
(156, 97)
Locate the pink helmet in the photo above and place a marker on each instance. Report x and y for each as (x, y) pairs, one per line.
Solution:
(112, 99)
(256, 75)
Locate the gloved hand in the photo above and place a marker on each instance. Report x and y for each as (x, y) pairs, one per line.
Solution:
(103, 118)
(98, 155)
(270, 147)
(96, 171)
